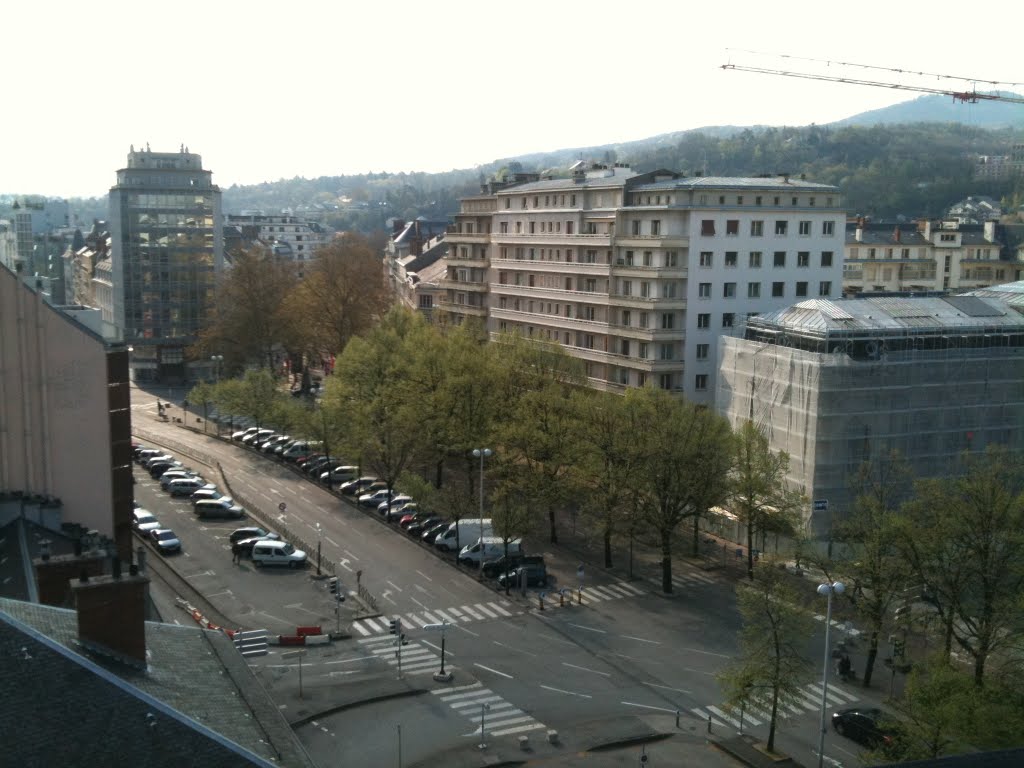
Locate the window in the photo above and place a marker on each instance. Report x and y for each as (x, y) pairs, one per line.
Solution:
(643, 320)
(665, 381)
(504, 227)
(533, 227)
(757, 227)
(627, 317)
(780, 259)
(707, 227)
(732, 227)
(644, 351)
(801, 289)
(700, 382)
(781, 227)
(655, 227)
(702, 351)
(667, 320)
(729, 291)
(671, 259)
(803, 258)
(648, 258)
(778, 290)
(753, 290)
(704, 320)
(739, 199)
(627, 287)
(635, 228)
(624, 347)
(828, 228)
(730, 258)
(706, 258)
(757, 200)
(826, 257)
(904, 253)
(824, 288)
(728, 318)
(945, 238)
(590, 285)
(704, 290)
(668, 290)
(645, 289)
(508, 202)
(666, 351)
(755, 259)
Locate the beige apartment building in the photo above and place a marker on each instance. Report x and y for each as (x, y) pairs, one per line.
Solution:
(926, 256)
(639, 275)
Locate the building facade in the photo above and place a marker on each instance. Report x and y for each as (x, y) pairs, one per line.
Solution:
(927, 256)
(639, 275)
(166, 253)
(837, 383)
(302, 237)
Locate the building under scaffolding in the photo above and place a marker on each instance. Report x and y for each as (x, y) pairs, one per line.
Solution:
(835, 383)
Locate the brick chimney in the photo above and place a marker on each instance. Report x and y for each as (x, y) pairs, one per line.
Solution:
(54, 574)
(111, 614)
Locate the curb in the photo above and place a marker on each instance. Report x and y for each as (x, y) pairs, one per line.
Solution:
(305, 720)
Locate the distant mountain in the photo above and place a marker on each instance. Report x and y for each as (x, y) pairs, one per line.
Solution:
(942, 109)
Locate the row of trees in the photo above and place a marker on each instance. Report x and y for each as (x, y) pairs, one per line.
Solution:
(410, 402)
(939, 562)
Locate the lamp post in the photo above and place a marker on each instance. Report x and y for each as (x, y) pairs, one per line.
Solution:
(319, 542)
(483, 735)
(832, 588)
(216, 360)
(482, 453)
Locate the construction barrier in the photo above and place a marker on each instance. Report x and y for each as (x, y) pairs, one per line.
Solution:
(303, 631)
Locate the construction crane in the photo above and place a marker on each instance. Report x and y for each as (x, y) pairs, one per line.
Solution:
(966, 97)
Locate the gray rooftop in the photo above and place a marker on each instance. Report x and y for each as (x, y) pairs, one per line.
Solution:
(773, 184)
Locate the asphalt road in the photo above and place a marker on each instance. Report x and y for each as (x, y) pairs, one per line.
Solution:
(627, 650)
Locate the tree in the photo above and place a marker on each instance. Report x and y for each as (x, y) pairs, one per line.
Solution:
(202, 395)
(249, 322)
(964, 538)
(771, 662)
(513, 512)
(343, 294)
(683, 464)
(758, 496)
(871, 560)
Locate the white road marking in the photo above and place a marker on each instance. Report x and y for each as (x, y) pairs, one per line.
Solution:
(500, 610)
(643, 640)
(706, 653)
(668, 688)
(589, 629)
(721, 714)
(472, 613)
(586, 669)
(513, 648)
(443, 691)
(421, 573)
(570, 693)
(483, 609)
(437, 648)
(395, 586)
(349, 661)
(647, 706)
(360, 628)
(493, 670)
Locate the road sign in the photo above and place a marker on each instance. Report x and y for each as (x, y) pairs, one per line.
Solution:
(282, 506)
(821, 505)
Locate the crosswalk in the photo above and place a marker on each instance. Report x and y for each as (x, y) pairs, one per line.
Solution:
(416, 659)
(500, 718)
(593, 593)
(758, 711)
(464, 614)
(686, 578)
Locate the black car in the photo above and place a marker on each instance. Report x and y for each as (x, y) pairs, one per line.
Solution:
(251, 532)
(419, 526)
(157, 469)
(536, 575)
(504, 564)
(431, 533)
(867, 726)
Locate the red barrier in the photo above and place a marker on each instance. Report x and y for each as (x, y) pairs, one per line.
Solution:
(293, 639)
(303, 631)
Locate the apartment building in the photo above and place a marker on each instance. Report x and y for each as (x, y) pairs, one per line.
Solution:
(638, 275)
(927, 256)
(302, 237)
(167, 248)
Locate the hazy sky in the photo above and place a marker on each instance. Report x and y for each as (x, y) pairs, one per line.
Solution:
(265, 90)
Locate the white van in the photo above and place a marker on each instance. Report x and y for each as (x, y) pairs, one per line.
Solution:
(489, 548)
(270, 552)
(469, 529)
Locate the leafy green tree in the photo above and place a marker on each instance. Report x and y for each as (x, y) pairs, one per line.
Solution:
(202, 396)
(683, 466)
(771, 665)
(964, 538)
(513, 512)
(758, 495)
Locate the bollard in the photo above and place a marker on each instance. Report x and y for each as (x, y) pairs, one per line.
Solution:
(561, 599)
(709, 723)
(677, 719)
(540, 598)
(579, 595)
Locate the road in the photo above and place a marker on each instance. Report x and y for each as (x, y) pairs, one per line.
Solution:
(627, 650)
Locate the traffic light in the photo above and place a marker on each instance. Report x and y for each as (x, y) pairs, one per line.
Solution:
(332, 584)
(395, 626)
(899, 647)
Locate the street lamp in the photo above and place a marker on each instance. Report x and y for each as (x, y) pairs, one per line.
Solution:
(216, 360)
(483, 735)
(832, 588)
(482, 453)
(319, 542)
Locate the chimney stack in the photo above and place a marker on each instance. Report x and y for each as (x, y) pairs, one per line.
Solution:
(111, 616)
(54, 572)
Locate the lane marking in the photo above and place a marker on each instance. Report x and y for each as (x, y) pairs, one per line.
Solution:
(642, 640)
(445, 691)
(485, 611)
(570, 693)
(586, 669)
(589, 629)
(396, 587)
(349, 661)
(421, 573)
(520, 729)
(493, 670)
(499, 609)
(668, 688)
(437, 648)
(707, 653)
(513, 648)
(647, 706)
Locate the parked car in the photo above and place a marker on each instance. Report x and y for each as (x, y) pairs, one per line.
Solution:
(431, 533)
(251, 532)
(339, 473)
(870, 727)
(244, 546)
(494, 568)
(261, 439)
(258, 435)
(277, 553)
(536, 575)
(273, 443)
(374, 498)
(147, 453)
(223, 508)
(149, 461)
(186, 486)
(304, 460)
(313, 468)
(416, 528)
(357, 486)
(243, 433)
(396, 503)
(166, 540)
(413, 516)
(205, 493)
(144, 521)
(174, 474)
(157, 469)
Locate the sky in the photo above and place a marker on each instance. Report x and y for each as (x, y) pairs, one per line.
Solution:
(265, 91)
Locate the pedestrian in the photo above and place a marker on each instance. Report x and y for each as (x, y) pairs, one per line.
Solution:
(236, 553)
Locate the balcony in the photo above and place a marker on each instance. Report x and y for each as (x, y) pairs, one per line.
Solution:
(455, 238)
(559, 267)
(653, 241)
(554, 239)
(651, 303)
(555, 322)
(458, 285)
(549, 294)
(638, 270)
(476, 262)
(462, 309)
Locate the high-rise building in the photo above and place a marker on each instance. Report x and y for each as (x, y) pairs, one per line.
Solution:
(167, 248)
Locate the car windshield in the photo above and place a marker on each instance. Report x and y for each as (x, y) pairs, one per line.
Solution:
(146, 519)
(165, 535)
(287, 549)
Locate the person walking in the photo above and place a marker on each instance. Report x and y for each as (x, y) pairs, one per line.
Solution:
(236, 553)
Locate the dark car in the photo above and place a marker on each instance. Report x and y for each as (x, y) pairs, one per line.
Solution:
(157, 468)
(419, 526)
(870, 727)
(506, 563)
(251, 532)
(431, 533)
(313, 467)
(536, 575)
(166, 540)
(244, 546)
